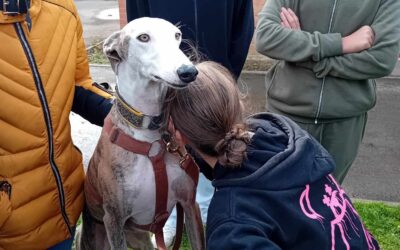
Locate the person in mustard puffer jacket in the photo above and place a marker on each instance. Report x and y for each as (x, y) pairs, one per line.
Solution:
(44, 74)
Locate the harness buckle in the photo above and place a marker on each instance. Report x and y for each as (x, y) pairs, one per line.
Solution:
(182, 160)
(159, 221)
(7, 3)
(174, 148)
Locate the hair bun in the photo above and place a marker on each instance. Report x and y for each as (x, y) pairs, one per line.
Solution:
(231, 150)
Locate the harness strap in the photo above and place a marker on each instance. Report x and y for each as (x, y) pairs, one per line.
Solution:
(191, 169)
(161, 179)
(179, 226)
(118, 137)
(160, 241)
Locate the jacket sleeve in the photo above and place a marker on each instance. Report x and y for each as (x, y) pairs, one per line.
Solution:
(136, 9)
(91, 106)
(90, 101)
(82, 74)
(281, 43)
(379, 60)
(239, 235)
(243, 30)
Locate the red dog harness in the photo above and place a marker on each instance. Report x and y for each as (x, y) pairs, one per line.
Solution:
(118, 137)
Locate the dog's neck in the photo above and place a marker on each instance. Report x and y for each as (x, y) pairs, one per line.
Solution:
(142, 95)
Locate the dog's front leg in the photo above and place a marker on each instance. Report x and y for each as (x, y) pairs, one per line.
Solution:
(114, 224)
(194, 225)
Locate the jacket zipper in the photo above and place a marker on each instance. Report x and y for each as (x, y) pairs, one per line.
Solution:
(323, 80)
(46, 111)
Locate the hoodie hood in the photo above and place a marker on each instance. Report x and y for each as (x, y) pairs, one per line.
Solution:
(280, 156)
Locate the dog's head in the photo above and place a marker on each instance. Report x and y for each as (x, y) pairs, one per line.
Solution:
(150, 46)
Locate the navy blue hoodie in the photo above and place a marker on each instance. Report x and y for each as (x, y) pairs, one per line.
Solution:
(282, 197)
(91, 106)
(220, 29)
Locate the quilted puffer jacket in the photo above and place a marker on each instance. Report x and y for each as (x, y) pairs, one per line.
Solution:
(41, 172)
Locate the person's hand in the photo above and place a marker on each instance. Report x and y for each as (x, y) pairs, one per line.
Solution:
(360, 40)
(289, 19)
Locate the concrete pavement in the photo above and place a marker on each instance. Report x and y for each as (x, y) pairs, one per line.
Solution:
(96, 27)
(396, 71)
(376, 172)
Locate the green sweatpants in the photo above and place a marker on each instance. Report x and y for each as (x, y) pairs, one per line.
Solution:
(341, 139)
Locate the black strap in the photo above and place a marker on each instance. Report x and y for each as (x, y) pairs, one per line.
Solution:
(156, 122)
(14, 7)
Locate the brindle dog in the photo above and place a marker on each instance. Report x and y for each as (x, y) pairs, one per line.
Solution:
(120, 189)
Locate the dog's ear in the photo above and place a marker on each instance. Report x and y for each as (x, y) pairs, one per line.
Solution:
(115, 47)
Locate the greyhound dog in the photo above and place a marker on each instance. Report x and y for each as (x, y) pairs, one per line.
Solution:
(121, 185)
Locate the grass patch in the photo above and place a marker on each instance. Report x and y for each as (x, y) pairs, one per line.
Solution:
(185, 245)
(95, 53)
(383, 221)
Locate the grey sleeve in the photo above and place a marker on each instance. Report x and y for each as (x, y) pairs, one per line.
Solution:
(281, 43)
(376, 62)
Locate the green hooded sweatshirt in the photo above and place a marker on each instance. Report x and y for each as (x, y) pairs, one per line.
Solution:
(313, 79)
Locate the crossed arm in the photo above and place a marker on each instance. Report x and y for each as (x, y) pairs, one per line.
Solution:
(358, 41)
(369, 52)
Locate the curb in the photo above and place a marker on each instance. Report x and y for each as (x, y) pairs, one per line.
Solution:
(96, 65)
(389, 203)
(105, 73)
(253, 72)
(244, 72)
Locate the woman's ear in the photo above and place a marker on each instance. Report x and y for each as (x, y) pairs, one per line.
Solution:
(180, 138)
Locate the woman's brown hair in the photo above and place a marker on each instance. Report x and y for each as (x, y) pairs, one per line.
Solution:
(209, 113)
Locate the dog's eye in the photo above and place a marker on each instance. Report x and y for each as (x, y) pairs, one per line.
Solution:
(178, 36)
(143, 38)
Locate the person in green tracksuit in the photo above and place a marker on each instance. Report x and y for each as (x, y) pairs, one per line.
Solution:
(329, 53)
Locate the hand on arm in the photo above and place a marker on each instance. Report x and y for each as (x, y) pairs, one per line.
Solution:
(279, 36)
(289, 19)
(376, 61)
(358, 41)
(354, 45)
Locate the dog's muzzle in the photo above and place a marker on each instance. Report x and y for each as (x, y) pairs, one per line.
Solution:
(187, 73)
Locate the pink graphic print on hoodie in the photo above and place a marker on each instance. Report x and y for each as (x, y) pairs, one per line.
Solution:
(343, 212)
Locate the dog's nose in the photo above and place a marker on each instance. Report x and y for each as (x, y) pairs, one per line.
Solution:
(187, 73)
